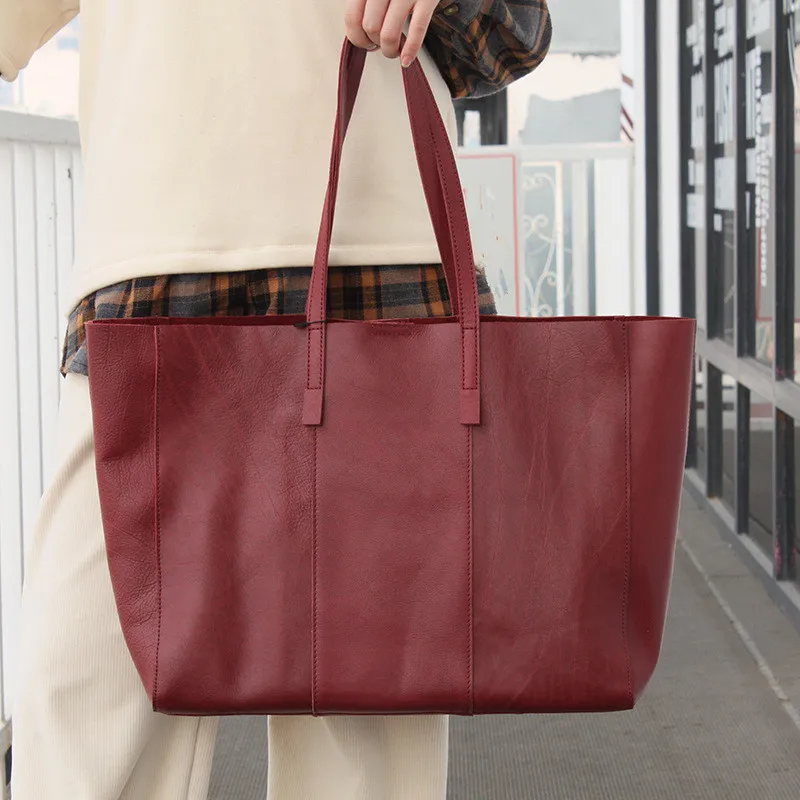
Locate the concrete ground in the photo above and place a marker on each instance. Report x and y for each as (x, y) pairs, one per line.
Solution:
(719, 720)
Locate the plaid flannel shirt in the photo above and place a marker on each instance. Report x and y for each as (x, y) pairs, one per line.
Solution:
(479, 46)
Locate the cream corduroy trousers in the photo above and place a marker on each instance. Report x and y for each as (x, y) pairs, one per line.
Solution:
(83, 727)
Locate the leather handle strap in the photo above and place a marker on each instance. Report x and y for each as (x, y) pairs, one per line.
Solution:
(351, 68)
(446, 204)
(449, 202)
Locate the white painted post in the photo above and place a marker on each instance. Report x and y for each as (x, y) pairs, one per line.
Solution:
(50, 332)
(28, 334)
(10, 477)
(614, 214)
(639, 273)
(65, 223)
(670, 163)
(580, 238)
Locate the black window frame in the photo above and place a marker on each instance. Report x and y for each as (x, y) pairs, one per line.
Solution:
(716, 356)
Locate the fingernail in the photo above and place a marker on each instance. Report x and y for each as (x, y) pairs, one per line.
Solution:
(406, 61)
(372, 47)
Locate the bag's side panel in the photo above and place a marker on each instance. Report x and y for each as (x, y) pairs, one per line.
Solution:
(234, 516)
(551, 518)
(661, 355)
(122, 383)
(392, 622)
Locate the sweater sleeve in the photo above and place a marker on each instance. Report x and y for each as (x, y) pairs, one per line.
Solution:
(25, 25)
(480, 46)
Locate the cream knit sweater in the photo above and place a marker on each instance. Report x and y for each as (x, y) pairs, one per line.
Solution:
(206, 129)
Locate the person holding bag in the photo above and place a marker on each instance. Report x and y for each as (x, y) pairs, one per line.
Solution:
(204, 128)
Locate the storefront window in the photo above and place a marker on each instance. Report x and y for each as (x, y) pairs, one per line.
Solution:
(794, 64)
(729, 454)
(725, 158)
(694, 40)
(796, 427)
(702, 407)
(759, 167)
(761, 479)
(740, 81)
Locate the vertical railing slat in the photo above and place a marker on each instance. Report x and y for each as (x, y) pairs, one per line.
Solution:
(65, 228)
(77, 191)
(49, 327)
(28, 334)
(65, 223)
(10, 479)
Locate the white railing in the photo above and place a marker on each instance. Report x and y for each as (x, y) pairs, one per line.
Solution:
(40, 176)
(552, 225)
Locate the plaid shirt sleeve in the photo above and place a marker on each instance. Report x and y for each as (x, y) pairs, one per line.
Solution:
(480, 47)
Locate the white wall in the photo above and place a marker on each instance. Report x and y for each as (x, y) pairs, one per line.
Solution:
(585, 26)
(560, 77)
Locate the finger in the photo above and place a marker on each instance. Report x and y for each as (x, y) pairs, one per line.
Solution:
(372, 19)
(417, 30)
(353, 19)
(393, 24)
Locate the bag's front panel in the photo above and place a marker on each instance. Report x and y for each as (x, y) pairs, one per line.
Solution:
(234, 465)
(551, 538)
(392, 592)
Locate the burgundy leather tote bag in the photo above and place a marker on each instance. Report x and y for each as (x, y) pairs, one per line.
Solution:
(460, 515)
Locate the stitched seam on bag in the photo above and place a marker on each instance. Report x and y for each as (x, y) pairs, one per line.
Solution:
(628, 500)
(157, 337)
(314, 583)
(308, 358)
(471, 522)
(308, 336)
(321, 357)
